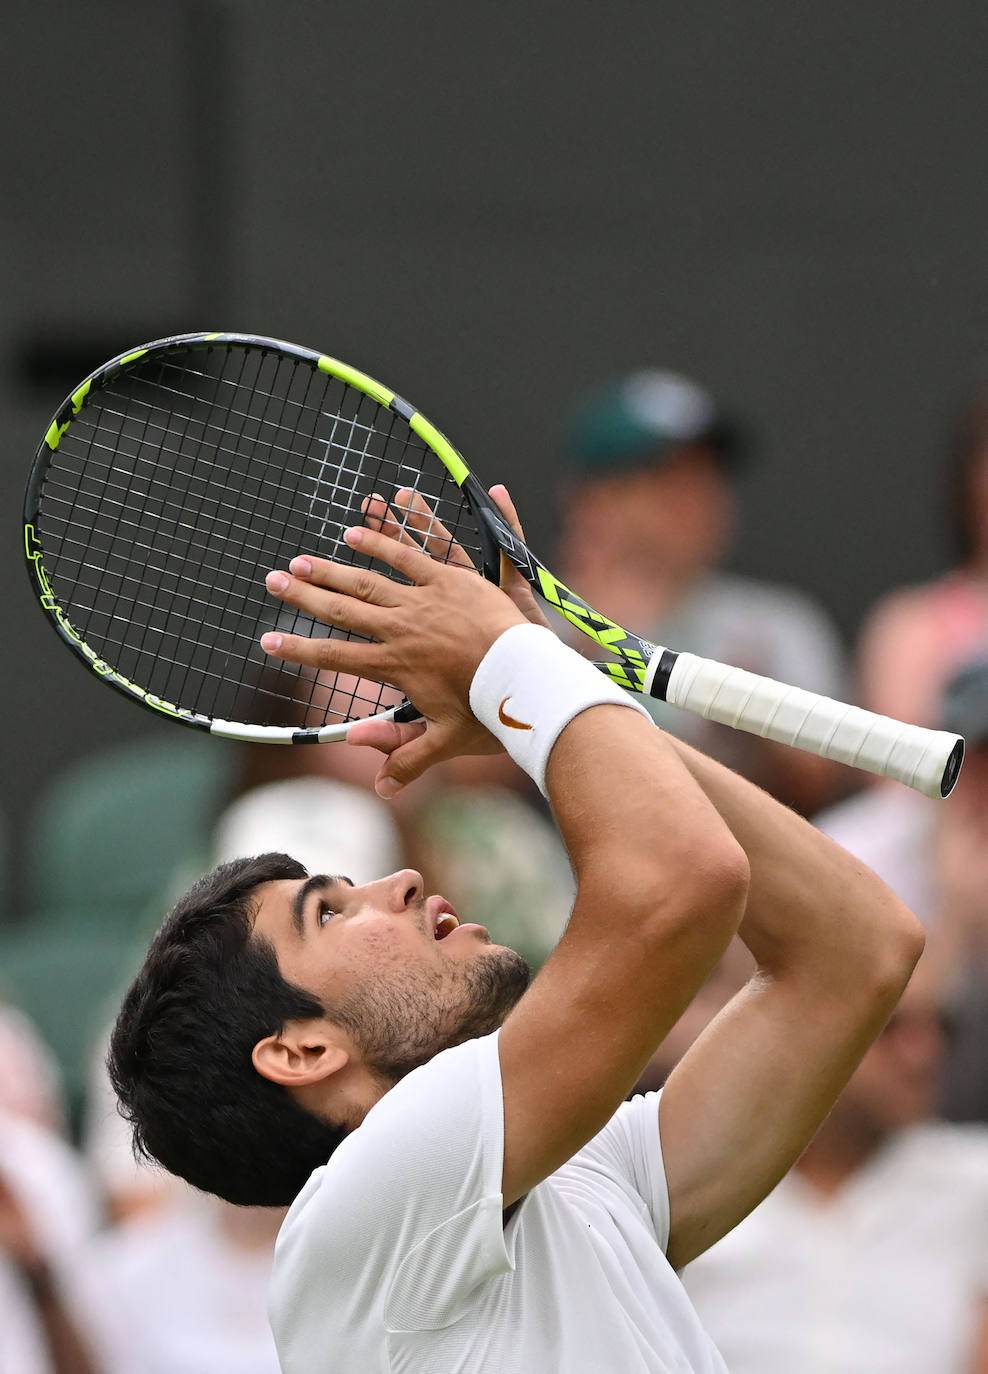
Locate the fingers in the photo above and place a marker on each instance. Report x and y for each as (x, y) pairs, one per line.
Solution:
(405, 558)
(511, 580)
(411, 746)
(417, 518)
(354, 612)
(371, 587)
(404, 555)
(390, 737)
(428, 744)
(433, 535)
(384, 735)
(499, 495)
(379, 516)
(342, 595)
(331, 655)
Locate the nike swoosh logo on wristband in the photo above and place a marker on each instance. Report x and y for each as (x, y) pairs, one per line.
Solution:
(510, 720)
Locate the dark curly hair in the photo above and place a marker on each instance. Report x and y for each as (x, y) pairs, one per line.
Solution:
(180, 1051)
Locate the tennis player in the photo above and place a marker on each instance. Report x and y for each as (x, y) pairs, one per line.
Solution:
(472, 1190)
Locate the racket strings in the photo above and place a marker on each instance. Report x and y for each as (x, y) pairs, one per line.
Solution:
(253, 391)
(338, 481)
(142, 627)
(174, 491)
(338, 484)
(222, 668)
(138, 627)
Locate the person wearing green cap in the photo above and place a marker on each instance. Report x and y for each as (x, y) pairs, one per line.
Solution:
(648, 503)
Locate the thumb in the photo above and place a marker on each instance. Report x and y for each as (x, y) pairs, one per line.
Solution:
(385, 735)
(411, 760)
(499, 495)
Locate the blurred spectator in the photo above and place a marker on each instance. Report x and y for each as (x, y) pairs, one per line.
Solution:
(37, 1332)
(184, 1290)
(48, 1217)
(648, 511)
(499, 861)
(935, 856)
(130, 1187)
(179, 1282)
(871, 1256)
(916, 637)
(30, 1079)
(23, 1344)
(328, 825)
(890, 827)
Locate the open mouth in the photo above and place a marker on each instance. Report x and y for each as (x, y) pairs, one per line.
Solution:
(446, 921)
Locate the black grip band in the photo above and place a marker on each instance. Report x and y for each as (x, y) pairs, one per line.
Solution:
(660, 681)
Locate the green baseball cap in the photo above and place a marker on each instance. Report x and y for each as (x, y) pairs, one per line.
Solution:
(643, 418)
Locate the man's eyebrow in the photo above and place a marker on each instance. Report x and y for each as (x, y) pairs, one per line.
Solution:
(317, 883)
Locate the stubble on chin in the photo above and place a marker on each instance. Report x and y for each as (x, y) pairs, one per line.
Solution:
(401, 1026)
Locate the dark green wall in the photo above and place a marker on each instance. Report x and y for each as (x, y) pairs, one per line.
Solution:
(491, 205)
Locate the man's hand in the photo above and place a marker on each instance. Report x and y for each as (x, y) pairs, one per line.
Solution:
(430, 636)
(420, 524)
(390, 737)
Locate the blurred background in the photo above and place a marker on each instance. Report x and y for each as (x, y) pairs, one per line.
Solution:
(491, 207)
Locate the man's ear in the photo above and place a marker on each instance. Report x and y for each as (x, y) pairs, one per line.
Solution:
(303, 1052)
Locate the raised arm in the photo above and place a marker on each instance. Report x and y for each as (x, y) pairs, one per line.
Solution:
(834, 949)
(660, 890)
(662, 840)
(660, 879)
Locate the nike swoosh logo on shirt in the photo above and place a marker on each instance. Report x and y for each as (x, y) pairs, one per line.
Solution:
(505, 719)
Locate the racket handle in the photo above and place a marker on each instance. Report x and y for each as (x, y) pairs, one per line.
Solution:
(928, 760)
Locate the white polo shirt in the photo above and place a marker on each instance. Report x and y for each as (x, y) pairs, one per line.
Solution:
(394, 1258)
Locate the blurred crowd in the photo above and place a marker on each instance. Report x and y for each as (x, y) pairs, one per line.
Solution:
(872, 1255)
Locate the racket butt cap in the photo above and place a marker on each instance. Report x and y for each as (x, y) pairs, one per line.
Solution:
(952, 768)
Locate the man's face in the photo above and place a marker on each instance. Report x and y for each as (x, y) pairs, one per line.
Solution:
(673, 515)
(396, 969)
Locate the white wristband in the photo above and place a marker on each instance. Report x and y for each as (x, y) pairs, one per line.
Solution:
(529, 686)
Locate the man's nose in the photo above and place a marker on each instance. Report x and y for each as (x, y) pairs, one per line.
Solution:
(403, 889)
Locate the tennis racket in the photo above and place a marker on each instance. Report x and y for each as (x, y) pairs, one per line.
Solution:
(175, 476)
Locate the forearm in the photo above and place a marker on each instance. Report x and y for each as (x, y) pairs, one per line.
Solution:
(644, 839)
(835, 949)
(811, 905)
(660, 890)
(642, 836)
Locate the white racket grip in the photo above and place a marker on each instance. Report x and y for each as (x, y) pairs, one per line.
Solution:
(927, 760)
